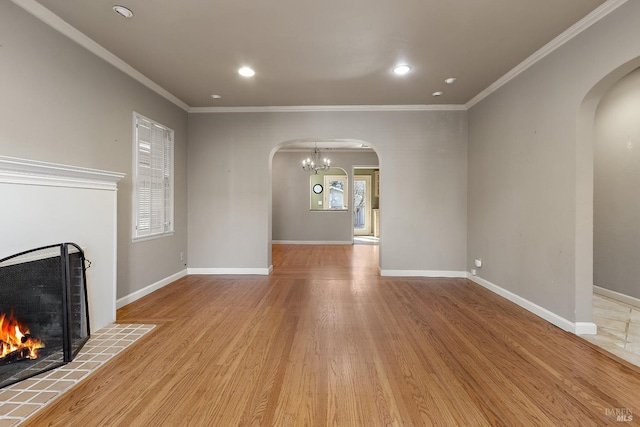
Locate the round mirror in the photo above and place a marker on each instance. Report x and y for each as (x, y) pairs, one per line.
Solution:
(317, 188)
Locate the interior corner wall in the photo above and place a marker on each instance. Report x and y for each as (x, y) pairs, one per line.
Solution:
(293, 221)
(423, 170)
(523, 170)
(617, 180)
(62, 104)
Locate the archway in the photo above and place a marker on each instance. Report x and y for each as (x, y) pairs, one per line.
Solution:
(292, 218)
(584, 196)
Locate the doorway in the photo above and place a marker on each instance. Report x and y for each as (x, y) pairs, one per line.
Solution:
(366, 203)
(361, 205)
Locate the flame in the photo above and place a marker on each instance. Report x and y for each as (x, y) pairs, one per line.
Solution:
(14, 336)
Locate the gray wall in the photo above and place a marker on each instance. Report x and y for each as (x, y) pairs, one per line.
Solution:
(292, 219)
(60, 103)
(531, 168)
(423, 162)
(616, 216)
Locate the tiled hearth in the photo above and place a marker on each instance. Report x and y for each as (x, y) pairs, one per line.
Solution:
(618, 328)
(19, 401)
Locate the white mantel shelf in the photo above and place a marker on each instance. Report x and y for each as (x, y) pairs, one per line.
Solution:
(14, 170)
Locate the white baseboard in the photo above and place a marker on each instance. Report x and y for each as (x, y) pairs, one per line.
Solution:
(134, 296)
(578, 328)
(217, 271)
(423, 273)
(582, 328)
(627, 299)
(312, 242)
(586, 328)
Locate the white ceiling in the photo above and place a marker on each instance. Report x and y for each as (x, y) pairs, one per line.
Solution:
(316, 53)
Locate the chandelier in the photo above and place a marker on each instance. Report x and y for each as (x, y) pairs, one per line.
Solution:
(313, 163)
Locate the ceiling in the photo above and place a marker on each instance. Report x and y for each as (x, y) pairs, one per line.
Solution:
(322, 53)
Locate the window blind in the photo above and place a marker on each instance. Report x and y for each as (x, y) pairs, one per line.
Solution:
(154, 178)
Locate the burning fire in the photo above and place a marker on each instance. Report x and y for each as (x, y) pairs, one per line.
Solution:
(16, 341)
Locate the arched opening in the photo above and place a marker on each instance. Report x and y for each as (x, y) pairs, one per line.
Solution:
(298, 215)
(584, 236)
(611, 128)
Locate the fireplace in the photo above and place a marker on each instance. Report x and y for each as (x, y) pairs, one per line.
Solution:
(44, 318)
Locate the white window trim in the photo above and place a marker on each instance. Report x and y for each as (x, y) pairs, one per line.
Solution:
(168, 222)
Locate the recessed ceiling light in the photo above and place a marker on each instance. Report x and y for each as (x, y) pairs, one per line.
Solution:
(216, 96)
(450, 80)
(438, 93)
(246, 72)
(123, 11)
(401, 69)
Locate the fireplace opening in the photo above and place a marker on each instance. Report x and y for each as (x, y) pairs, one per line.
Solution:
(16, 341)
(44, 318)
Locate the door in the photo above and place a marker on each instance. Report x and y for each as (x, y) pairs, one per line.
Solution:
(362, 205)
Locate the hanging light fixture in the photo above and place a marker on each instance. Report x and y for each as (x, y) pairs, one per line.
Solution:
(314, 163)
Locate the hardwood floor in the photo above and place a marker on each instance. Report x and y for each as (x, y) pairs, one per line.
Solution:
(325, 340)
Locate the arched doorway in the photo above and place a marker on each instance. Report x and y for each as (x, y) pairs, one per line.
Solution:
(616, 174)
(298, 215)
(584, 196)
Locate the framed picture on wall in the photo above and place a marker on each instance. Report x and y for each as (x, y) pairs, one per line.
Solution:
(376, 185)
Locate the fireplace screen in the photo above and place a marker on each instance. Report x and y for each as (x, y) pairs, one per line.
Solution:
(44, 319)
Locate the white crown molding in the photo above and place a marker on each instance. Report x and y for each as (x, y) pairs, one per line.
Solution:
(32, 172)
(323, 108)
(330, 150)
(577, 28)
(57, 23)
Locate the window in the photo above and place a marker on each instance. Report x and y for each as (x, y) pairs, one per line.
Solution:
(152, 179)
(335, 194)
(328, 190)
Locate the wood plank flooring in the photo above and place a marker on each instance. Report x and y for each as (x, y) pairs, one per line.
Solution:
(325, 340)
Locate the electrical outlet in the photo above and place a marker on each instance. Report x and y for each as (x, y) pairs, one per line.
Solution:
(473, 271)
(181, 256)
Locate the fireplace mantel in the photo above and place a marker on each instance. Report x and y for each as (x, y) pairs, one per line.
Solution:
(14, 170)
(46, 203)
